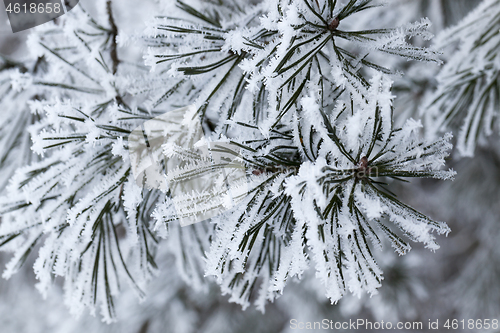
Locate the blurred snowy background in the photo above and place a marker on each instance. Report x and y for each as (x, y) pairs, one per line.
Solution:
(461, 280)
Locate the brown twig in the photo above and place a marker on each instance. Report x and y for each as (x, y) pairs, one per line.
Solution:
(114, 33)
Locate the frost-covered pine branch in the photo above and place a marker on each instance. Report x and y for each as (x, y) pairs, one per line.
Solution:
(265, 84)
(291, 109)
(468, 93)
(322, 177)
(17, 93)
(237, 60)
(78, 199)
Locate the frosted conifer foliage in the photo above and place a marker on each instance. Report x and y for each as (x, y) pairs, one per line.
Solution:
(278, 80)
(77, 200)
(468, 93)
(343, 202)
(329, 195)
(282, 92)
(17, 92)
(258, 59)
